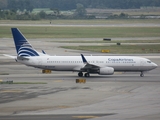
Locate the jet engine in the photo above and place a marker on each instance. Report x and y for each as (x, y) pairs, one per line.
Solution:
(106, 71)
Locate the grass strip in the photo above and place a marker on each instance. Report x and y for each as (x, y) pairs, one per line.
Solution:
(81, 32)
(83, 22)
(29, 83)
(113, 41)
(4, 73)
(119, 49)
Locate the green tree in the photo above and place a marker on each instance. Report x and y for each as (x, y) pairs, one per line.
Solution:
(80, 11)
(72, 4)
(123, 15)
(42, 15)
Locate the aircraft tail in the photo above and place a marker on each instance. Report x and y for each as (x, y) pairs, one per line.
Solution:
(23, 47)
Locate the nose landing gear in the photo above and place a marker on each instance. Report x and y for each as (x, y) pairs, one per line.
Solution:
(142, 75)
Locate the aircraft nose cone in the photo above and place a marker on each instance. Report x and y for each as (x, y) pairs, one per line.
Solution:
(155, 65)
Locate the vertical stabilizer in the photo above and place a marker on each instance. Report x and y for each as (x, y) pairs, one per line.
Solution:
(23, 47)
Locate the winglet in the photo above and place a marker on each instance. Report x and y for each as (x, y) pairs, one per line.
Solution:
(84, 59)
(43, 52)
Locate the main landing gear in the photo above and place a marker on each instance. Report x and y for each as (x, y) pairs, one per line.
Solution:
(80, 74)
(142, 75)
(87, 75)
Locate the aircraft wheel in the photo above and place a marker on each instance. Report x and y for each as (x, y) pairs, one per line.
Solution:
(87, 75)
(80, 74)
(142, 75)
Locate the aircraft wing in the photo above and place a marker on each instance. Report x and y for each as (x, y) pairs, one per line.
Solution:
(91, 68)
(88, 67)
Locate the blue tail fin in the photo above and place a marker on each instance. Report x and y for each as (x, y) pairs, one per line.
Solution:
(23, 47)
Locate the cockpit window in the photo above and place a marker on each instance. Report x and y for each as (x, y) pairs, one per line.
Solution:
(148, 61)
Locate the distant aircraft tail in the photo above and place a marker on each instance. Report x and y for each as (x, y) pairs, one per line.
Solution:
(23, 47)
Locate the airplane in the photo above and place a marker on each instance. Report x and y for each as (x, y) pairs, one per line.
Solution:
(84, 65)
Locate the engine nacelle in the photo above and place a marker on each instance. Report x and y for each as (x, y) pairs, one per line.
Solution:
(106, 71)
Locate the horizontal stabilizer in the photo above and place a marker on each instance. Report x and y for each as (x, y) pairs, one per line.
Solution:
(10, 56)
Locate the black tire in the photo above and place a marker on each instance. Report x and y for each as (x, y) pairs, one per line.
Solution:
(142, 75)
(87, 75)
(80, 74)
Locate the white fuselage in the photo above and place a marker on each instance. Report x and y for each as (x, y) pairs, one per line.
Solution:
(102, 65)
(75, 63)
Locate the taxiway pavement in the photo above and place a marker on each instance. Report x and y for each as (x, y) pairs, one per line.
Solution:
(57, 96)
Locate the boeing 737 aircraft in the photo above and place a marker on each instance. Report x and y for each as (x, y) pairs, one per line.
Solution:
(102, 65)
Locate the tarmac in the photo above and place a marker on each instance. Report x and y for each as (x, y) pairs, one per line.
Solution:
(121, 96)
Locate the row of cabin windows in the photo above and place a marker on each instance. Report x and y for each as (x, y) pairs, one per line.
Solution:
(64, 61)
(91, 62)
(72, 62)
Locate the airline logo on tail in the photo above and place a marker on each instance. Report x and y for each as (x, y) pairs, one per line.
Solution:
(23, 47)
